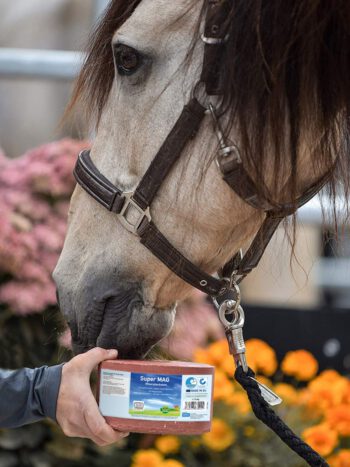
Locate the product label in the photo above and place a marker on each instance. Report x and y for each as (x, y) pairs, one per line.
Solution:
(144, 396)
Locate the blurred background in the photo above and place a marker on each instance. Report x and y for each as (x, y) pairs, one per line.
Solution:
(299, 301)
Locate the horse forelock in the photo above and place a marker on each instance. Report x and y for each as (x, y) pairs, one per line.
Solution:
(96, 77)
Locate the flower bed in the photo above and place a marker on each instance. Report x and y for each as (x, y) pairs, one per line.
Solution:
(35, 191)
(34, 195)
(315, 406)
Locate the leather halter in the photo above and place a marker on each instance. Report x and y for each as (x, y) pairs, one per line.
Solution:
(133, 208)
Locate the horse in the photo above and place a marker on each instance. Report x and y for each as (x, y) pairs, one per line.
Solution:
(283, 106)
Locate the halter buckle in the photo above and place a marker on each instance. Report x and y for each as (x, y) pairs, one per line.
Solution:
(132, 215)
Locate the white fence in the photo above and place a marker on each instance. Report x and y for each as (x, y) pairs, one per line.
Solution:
(39, 64)
(44, 64)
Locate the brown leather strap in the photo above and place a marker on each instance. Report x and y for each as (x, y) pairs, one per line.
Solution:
(155, 241)
(185, 128)
(111, 197)
(215, 32)
(242, 184)
(273, 218)
(254, 254)
(96, 184)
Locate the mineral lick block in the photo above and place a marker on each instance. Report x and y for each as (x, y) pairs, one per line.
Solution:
(159, 397)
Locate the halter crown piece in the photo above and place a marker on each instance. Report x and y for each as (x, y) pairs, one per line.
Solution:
(133, 211)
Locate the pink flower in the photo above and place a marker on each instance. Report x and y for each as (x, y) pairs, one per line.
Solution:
(48, 238)
(34, 199)
(196, 323)
(33, 272)
(27, 297)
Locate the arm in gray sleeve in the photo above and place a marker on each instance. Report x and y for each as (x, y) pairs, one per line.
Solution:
(27, 396)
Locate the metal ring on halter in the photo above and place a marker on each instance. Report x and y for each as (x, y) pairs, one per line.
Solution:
(237, 310)
(214, 40)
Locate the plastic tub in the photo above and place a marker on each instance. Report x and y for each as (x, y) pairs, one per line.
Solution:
(160, 397)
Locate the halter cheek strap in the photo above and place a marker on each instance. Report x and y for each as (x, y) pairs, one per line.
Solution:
(215, 37)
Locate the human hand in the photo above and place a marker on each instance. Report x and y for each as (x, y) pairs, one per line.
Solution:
(77, 411)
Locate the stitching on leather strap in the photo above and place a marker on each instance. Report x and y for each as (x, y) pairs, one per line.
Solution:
(183, 131)
(99, 187)
(155, 241)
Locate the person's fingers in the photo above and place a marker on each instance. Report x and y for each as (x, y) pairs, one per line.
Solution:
(75, 391)
(89, 360)
(81, 430)
(72, 430)
(102, 442)
(98, 425)
(75, 425)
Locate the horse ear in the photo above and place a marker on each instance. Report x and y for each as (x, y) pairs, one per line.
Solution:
(96, 77)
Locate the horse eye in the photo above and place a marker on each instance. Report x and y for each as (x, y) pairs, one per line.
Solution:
(127, 59)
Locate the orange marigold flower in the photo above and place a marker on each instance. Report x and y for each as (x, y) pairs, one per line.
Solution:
(172, 463)
(325, 393)
(338, 418)
(203, 356)
(218, 351)
(321, 438)
(168, 444)
(287, 393)
(239, 401)
(227, 365)
(301, 364)
(223, 387)
(147, 458)
(261, 357)
(341, 459)
(330, 376)
(220, 437)
(347, 394)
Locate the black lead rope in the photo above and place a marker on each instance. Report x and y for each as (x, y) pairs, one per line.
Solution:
(265, 414)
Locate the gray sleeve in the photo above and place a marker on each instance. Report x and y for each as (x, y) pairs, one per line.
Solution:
(27, 396)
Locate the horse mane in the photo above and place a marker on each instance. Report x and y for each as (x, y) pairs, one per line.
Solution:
(286, 73)
(286, 69)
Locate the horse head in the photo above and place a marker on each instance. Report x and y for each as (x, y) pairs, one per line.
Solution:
(143, 67)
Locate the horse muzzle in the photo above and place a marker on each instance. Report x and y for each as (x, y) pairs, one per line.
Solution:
(116, 318)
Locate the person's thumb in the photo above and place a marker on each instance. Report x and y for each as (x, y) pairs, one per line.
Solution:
(89, 360)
